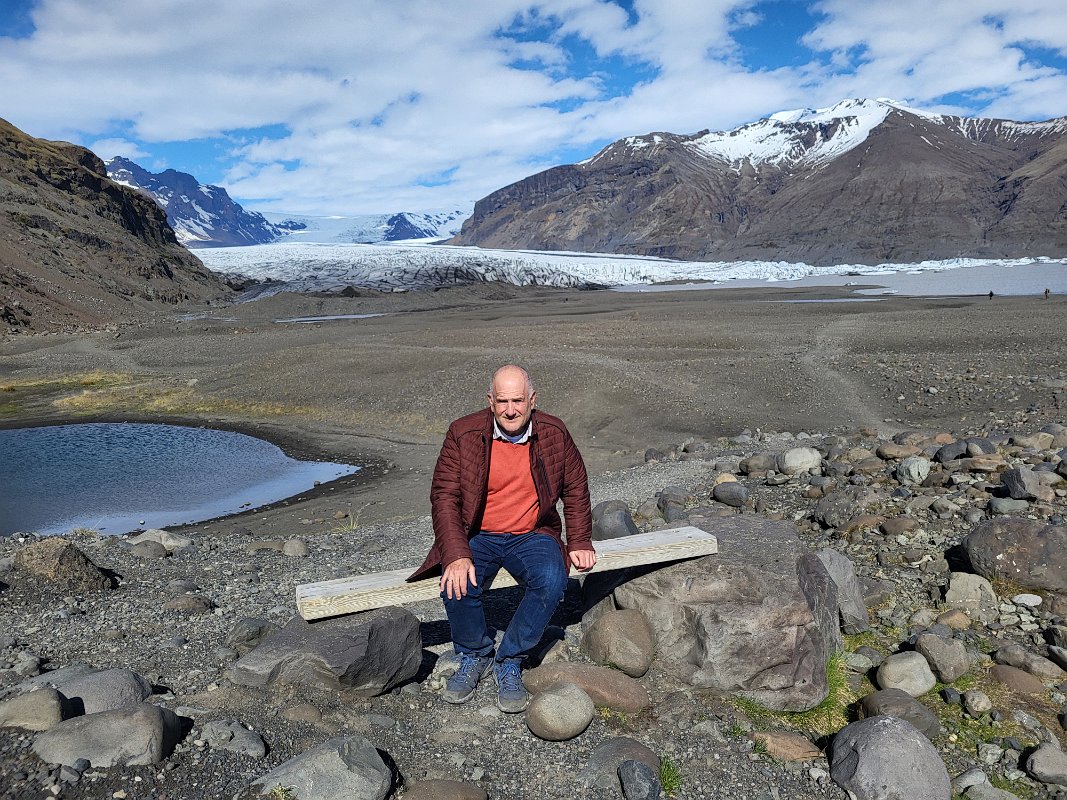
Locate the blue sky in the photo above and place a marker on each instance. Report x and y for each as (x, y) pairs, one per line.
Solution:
(388, 105)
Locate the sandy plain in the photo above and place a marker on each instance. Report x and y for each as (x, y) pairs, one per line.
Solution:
(627, 371)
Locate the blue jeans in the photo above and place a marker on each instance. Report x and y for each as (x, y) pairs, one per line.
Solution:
(532, 559)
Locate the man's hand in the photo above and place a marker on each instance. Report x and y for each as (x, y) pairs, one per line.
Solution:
(455, 578)
(583, 560)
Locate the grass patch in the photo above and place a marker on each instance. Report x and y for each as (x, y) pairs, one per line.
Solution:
(828, 717)
(1020, 790)
(151, 398)
(670, 776)
(854, 641)
(350, 524)
(10, 409)
(97, 378)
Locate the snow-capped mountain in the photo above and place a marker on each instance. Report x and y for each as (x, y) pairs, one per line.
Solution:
(202, 216)
(864, 181)
(369, 228)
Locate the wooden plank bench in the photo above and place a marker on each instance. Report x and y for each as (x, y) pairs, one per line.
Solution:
(378, 589)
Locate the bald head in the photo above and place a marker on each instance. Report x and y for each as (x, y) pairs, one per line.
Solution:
(511, 398)
(510, 372)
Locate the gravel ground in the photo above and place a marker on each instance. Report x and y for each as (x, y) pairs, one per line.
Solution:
(626, 372)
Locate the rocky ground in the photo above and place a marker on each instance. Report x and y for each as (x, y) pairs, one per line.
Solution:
(677, 373)
(172, 620)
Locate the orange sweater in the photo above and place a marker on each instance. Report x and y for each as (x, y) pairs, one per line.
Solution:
(511, 505)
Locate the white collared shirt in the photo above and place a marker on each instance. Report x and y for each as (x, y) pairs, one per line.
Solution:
(521, 439)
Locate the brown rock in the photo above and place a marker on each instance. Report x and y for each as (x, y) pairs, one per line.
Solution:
(955, 619)
(869, 466)
(787, 746)
(891, 451)
(983, 463)
(57, 560)
(1017, 679)
(899, 525)
(862, 522)
(608, 688)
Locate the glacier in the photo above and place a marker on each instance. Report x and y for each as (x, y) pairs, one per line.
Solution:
(321, 267)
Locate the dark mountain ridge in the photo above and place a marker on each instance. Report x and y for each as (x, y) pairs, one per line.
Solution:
(77, 249)
(863, 182)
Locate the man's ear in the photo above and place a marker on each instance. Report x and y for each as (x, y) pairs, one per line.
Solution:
(533, 399)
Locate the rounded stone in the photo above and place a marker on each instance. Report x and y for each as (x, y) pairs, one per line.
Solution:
(799, 459)
(977, 703)
(730, 493)
(559, 713)
(149, 549)
(295, 547)
(908, 671)
(912, 471)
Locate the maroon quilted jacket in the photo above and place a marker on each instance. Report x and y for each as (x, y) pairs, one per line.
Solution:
(461, 480)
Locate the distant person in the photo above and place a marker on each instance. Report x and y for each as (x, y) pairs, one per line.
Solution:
(1047, 293)
(498, 478)
(990, 294)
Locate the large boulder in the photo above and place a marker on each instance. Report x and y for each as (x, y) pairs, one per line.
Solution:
(1027, 552)
(759, 619)
(367, 653)
(58, 561)
(105, 690)
(144, 734)
(622, 639)
(886, 758)
(345, 766)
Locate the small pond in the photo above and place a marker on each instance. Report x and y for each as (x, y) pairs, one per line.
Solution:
(119, 477)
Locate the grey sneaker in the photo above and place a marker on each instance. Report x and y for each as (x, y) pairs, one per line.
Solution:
(511, 697)
(460, 687)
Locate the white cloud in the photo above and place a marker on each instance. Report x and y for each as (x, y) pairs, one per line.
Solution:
(412, 104)
(109, 148)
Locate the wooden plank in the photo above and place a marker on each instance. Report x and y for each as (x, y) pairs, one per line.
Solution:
(364, 592)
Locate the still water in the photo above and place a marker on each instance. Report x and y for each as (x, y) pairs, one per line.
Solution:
(119, 477)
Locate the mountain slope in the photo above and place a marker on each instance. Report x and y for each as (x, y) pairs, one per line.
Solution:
(866, 181)
(202, 216)
(77, 249)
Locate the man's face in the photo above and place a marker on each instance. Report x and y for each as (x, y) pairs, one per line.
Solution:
(510, 403)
